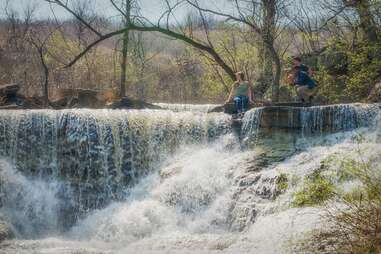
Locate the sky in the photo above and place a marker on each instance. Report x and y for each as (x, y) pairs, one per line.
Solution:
(151, 9)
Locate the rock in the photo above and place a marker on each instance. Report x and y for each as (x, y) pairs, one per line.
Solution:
(128, 103)
(8, 93)
(168, 172)
(29, 102)
(375, 93)
(84, 98)
(317, 119)
(227, 108)
(9, 90)
(218, 109)
(59, 103)
(5, 231)
(10, 106)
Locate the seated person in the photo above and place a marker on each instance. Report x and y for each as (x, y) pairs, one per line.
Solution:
(241, 93)
(306, 88)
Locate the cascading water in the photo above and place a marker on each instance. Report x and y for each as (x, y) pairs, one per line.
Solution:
(251, 124)
(186, 107)
(341, 117)
(31, 206)
(160, 182)
(98, 153)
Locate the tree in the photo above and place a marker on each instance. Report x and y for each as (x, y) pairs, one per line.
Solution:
(126, 34)
(261, 18)
(139, 23)
(124, 9)
(367, 20)
(39, 41)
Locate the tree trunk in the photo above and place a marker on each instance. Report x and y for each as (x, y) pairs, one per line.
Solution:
(266, 71)
(268, 37)
(126, 38)
(46, 78)
(123, 70)
(277, 72)
(367, 21)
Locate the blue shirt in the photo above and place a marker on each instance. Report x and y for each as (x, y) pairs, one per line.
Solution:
(304, 68)
(303, 79)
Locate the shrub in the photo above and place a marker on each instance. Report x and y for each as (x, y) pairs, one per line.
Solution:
(316, 190)
(354, 222)
(282, 182)
(347, 73)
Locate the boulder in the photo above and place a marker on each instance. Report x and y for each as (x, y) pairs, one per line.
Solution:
(80, 98)
(59, 103)
(128, 103)
(85, 98)
(9, 90)
(8, 93)
(375, 93)
(29, 102)
(5, 231)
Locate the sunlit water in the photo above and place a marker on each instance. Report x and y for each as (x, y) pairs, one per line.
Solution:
(186, 107)
(201, 196)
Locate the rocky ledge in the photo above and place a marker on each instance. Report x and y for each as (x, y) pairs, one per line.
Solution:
(10, 98)
(291, 115)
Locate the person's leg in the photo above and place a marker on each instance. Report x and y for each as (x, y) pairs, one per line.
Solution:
(238, 104)
(311, 93)
(245, 103)
(302, 92)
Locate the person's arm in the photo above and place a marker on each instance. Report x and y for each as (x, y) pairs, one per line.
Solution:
(311, 72)
(230, 94)
(250, 93)
(291, 79)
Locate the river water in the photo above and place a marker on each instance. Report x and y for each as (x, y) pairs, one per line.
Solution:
(165, 181)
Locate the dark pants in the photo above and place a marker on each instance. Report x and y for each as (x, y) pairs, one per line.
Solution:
(241, 103)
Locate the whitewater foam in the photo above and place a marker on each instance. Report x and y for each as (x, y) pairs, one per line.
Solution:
(205, 197)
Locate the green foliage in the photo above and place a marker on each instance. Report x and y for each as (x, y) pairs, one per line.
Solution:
(316, 190)
(356, 222)
(347, 73)
(282, 182)
(241, 54)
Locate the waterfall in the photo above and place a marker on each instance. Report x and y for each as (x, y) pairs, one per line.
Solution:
(30, 205)
(159, 181)
(250, 124)
(190, 192)
(334, 118)
(98, 153)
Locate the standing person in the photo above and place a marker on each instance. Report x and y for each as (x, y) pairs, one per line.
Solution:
(241, 93)
(297, 62)
(306, 87)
